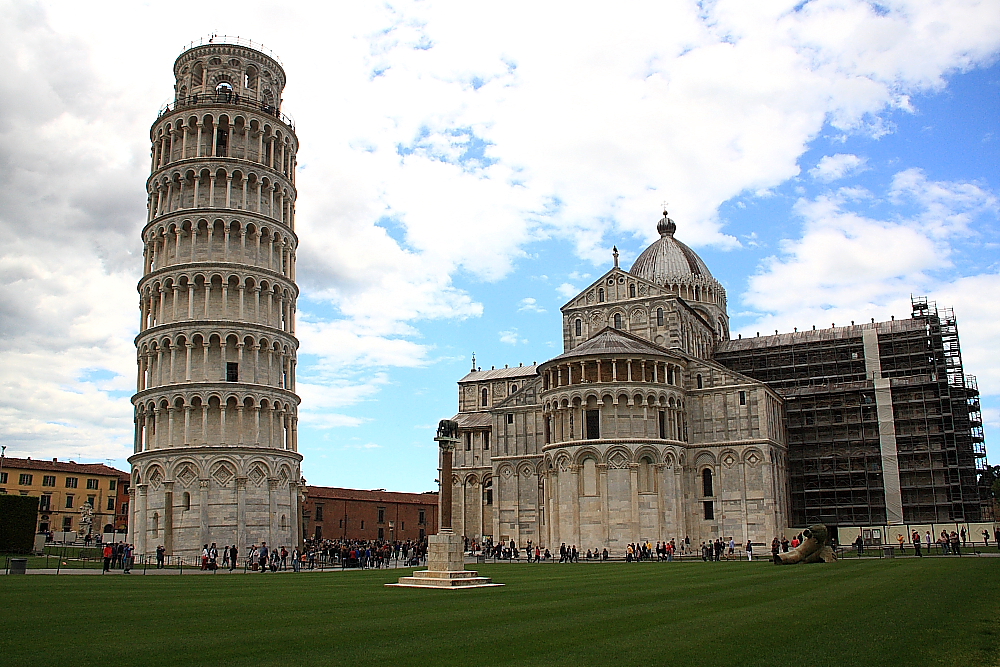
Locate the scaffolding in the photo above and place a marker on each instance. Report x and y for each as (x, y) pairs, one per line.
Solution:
(834, 448)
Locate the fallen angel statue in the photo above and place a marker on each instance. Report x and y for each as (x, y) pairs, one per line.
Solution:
(815, 548)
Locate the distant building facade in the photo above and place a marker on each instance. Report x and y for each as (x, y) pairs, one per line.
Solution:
(63, 489)
(654, 425)
(334, 513)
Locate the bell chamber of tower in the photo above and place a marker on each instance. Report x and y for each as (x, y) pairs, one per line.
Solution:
(216, 411)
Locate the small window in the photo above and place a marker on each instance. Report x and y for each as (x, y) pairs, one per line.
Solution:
(488, 491)
(232, 371)
(45, 503)
(93, 483)
(513, 389)
(486, 440)
(631, 290)
(92, 502)
(319, 512)
(3, 478)
(124, 508)
(421, 517)
(600, 295)
(49, 480)
(707, 488)
(25, 479)
(659, 317)
(381, 515)
(468, 442)
(69, 501)
(618, 320)
(381, 533)
(113, 484)
(510, 418)
(186, 501)
(701, 383)
(709, 510)
(485, 397)
(72, 482)
(579, 327)
(67, 524)
(111, 504)
(362, 525)
(663, 424)
(743, 398)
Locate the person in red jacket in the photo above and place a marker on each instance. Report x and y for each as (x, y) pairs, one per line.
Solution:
(109, 552)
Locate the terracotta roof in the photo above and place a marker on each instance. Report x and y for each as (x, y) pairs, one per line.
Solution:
(612, 341)
(474, 419)
(337, 493)
(62, 466)
(497, 373)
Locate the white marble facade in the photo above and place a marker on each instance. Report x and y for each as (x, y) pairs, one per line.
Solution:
(633, 433)
(216, 413)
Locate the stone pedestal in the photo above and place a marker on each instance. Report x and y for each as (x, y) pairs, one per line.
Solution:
(445, 567)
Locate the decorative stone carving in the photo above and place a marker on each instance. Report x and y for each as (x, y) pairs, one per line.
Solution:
(814, 549)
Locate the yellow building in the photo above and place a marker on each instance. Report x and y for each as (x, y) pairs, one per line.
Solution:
(63, 489)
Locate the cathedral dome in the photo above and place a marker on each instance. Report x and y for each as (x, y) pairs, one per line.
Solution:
(668, 260)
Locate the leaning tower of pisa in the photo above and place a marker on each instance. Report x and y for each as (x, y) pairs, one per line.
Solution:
(215, 408)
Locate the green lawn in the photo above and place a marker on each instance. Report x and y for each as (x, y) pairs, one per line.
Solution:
(879, 612)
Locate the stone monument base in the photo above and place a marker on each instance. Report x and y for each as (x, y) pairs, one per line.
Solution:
(445, 567)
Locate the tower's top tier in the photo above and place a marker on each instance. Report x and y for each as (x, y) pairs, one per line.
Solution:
(229, 67)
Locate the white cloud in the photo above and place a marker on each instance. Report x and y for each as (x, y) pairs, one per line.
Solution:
(431, 147)
(848, 266)
(530, 305)
(834, 167)
(511, 337)
(567, 291)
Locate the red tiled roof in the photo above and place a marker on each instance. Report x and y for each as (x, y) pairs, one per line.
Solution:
(337, 493)
(63, 466)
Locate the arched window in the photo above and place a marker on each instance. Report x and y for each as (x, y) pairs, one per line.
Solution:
(186, 501)
(618, 320)
(659, 317)
(701, 383)
(589, 477)
(600, 295)
(513, 388)
(631, 290)
(647, 481)
(486, 397)
(579, 327)
(707, 488)
(488, 491)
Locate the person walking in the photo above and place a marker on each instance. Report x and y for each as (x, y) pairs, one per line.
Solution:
(859, 544)
(916, 544)
(127, 559)
(902, 540)
(749, 550)
(161, 553)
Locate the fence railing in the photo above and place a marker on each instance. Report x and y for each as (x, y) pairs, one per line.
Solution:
(230, 99)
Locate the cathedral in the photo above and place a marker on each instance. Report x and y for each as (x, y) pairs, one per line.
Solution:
(634, 433)
(655, 425)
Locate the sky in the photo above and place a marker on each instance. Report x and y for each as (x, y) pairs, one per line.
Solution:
(465, 169)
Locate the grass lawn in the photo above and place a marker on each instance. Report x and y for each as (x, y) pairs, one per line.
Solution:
(879, 612)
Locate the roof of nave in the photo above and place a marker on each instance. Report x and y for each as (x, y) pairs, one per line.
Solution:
(616, 342)
(62, 466)
(474, 419)
(501, 373)
(668, 259)
(817, 335)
